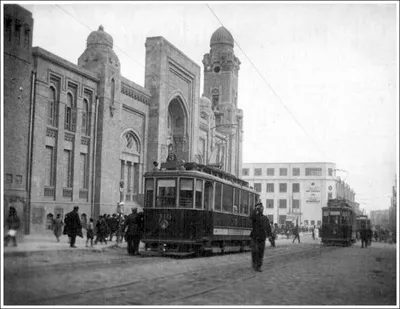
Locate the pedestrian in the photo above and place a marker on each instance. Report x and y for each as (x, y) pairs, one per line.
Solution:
(364, 238)
(101, 230)
(66, 227)
(57, 227)
(13, 223)
(296, 233)
(274, 229)
(260, 231)
(313, 233)
(90, 232)
(113, 224)
(73, 226)
(133, 232)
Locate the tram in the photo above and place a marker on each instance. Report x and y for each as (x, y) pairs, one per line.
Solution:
(339, 224)
(197, 209)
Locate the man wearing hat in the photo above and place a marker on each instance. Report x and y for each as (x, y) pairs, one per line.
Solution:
(133, 224)
(73, 226)
(260, 231)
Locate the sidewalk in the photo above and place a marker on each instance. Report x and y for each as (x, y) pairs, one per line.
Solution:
(48, 242)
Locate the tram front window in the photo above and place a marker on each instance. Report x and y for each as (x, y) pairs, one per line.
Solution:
(199, 194)
(166, 193)
(186, 193)
(244, 205)
(149, 192)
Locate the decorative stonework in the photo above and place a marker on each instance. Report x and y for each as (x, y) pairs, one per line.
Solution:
(133, 93)
(85, 140)
(51, 133)
(69, 137)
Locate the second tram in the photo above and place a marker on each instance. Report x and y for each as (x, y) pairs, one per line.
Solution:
(339, 224)
(196, 209)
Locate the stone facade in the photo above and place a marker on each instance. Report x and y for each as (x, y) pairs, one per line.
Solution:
(82, 134)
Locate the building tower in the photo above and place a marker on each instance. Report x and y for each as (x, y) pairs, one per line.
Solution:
(100, 58)
(18, 111)
(221, 74)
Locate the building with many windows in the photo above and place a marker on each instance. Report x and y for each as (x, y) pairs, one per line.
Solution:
(296, 192)
(83, 134)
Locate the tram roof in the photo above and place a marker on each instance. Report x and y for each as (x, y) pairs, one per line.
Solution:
(176, 166)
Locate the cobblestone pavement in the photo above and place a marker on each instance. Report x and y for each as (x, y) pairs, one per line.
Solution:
(295, 274)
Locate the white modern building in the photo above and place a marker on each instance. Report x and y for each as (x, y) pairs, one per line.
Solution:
(296, 192)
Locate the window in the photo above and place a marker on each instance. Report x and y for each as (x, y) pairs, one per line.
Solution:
(252, 201)
(244, 204)
(52, 107)
(237, 199)
(227, 198)
(283, 187)
(270, 187)
(9, 178)
(257, 187)
(26, 36)
(283, 172)
(218, 195)
(68, 112)
(215, 100)
(312, 222)
(257, 172)
(296, 187)
(199, 194)
(329, 172)
(270, 172)
(17, 32)
(305, 222)
(282, 219)
(166, 193)
(149, 187)
(49, 167)
(67, 164)
(85, 116)
(245, 172)
(282, 203)
(329, 196)
(8, 27)
(84, 170)
(296, 171)
(112, 90)
(269, 203)
(296, 204)
(186, 193)
(313, 171)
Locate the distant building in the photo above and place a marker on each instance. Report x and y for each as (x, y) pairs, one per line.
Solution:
(393, 210)
(296, 192)
(380, 218)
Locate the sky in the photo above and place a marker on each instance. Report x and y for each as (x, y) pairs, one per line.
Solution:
(318, 81)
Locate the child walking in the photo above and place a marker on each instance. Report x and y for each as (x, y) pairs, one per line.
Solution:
(90, 232)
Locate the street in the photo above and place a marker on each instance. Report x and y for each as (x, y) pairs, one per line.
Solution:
(294, 274)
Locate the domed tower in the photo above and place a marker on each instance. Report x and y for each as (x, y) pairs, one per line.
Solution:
(100, 58)
(221, 72)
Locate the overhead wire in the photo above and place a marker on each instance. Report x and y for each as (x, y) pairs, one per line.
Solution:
(269, 86)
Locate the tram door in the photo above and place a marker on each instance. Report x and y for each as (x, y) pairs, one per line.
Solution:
(208, 195)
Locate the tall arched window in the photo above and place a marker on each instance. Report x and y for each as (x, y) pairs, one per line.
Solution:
(52, 107)
(85, 118)
(68, 112)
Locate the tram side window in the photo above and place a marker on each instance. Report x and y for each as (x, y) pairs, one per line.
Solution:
(236, 202)
(244, 203)
(149, 192)
(186, 193)
(199, 193)
(218, 193)
(166, 194)
(227, 199)
(252, 199)
(325, 216)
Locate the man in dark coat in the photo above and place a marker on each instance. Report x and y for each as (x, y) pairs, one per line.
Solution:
(13, 224)
(73, 226)
(133, 225)
(259, 233)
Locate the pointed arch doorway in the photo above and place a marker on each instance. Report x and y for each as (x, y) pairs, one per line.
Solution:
(177, 126)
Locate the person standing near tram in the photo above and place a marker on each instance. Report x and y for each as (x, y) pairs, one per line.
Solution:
(261, 229)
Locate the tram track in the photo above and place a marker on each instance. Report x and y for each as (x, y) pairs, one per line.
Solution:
(199, 274)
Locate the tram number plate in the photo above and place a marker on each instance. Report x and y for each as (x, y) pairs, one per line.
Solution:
(222, 231)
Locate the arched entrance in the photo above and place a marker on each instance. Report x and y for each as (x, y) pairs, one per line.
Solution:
(177, 124)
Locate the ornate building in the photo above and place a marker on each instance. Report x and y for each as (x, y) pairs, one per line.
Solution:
(85, 135)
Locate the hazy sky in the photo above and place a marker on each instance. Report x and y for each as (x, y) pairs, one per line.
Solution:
(333, 65)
